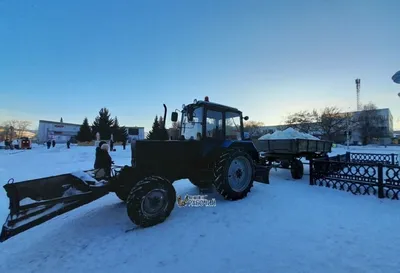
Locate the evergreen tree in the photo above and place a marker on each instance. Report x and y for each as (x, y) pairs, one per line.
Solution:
(116, 130)
(103, 123)
(152, 134)
(85, 133)
(157, 132)
(162, 132)
(61, 120)
(123, 134)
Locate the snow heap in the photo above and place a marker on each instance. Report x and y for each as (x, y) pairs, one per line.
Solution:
(289, 133)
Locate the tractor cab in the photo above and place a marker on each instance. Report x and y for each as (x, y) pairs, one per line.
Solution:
(203, 119)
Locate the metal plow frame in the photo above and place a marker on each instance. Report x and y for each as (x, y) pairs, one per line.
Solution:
(50, 198)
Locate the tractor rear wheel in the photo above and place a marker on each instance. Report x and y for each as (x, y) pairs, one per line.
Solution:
(234, 174)
(151, 201)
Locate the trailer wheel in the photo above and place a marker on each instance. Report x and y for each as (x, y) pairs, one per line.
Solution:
(151, 201)
(297, 169)
(234, 174)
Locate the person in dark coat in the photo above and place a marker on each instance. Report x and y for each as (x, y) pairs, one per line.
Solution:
(48, 144)
(103, 161)
(53, 143)
(68, 143)
(111, 145)
(123, 144)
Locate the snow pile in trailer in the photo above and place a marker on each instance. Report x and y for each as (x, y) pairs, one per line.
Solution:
(289, 133)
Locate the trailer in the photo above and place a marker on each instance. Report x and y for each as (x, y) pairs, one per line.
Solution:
(288, 152)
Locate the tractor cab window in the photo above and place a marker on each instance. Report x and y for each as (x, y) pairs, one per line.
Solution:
(214, 124)
(232, 126)
(192, 129)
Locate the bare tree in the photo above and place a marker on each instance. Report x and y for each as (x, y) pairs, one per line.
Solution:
(253, 127)
(22, 127)
(303, 121)
(16, 128)
(328, 122)
(331, 122)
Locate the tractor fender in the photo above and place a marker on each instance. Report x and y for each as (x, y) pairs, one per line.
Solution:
(127, 177)
(245, 145)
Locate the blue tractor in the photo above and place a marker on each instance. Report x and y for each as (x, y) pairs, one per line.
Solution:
(210, 152)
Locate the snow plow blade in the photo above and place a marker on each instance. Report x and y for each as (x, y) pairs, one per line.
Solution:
(34, 202)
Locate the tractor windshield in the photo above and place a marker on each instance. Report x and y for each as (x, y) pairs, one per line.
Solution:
(192, 129)
(232, 126)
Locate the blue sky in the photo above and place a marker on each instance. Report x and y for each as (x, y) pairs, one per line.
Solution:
(268, 58)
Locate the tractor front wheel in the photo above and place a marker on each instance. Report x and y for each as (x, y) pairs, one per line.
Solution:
(234, 174)
(151, 201)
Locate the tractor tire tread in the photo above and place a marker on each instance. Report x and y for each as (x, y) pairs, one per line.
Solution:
(137, 194)
(220, 173)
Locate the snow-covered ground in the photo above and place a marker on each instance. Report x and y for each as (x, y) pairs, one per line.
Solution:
(287, 226)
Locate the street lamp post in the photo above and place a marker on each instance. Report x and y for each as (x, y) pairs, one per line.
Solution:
(348, 117)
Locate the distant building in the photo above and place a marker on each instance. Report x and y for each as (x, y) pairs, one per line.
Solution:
(61, 132)
(385, 126)
(135, 133)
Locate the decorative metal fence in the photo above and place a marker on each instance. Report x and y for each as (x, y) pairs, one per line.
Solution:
(386, 159)
(359, 174)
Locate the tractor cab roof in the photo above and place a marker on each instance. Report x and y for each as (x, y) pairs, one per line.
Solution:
(216, 106)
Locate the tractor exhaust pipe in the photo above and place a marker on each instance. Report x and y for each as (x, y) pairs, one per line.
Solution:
(165, 115)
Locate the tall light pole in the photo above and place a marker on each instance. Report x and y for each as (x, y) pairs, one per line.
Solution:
(358, 82)
(348, 116)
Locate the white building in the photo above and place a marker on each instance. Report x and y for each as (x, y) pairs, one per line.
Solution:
(384, 126)
(61, 132)
(135, 133)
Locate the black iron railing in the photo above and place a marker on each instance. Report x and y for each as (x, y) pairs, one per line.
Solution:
(359, 174)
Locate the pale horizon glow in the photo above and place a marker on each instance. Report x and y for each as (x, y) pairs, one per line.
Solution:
(269, 59)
